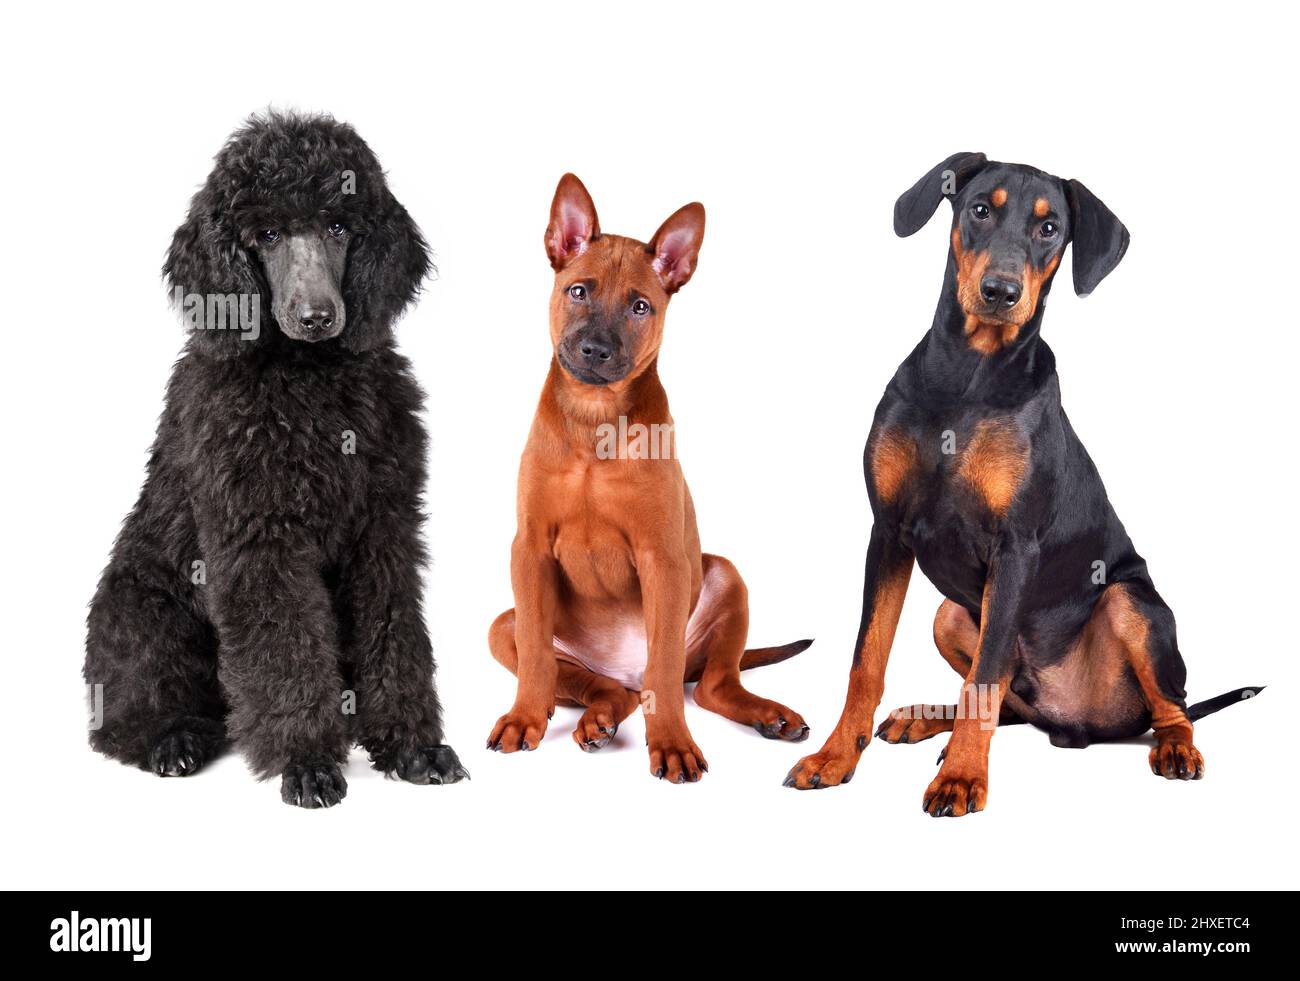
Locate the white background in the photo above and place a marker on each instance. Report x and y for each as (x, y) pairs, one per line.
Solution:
(797, 125)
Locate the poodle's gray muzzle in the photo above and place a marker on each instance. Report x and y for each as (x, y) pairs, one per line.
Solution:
(306, 277)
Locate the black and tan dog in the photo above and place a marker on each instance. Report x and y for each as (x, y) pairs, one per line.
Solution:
(615, 605)
(974, 473)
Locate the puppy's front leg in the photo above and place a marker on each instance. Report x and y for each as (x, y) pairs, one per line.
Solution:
(278, 661)
(535, 579)
(961, 786)
(665, 576)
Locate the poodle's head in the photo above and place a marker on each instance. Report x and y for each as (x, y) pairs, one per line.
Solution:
(295, 234)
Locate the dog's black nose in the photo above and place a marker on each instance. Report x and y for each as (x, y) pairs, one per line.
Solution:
(996, 290)
(313, 317)
(596, 351)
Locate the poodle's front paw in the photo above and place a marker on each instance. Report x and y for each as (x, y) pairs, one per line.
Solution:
(318, 783)
(430, 765)
(178, 754)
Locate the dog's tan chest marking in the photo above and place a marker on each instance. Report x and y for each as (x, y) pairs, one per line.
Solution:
(893, 463)
(994, 463)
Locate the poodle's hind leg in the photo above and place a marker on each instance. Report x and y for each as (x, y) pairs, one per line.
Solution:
(151, 666)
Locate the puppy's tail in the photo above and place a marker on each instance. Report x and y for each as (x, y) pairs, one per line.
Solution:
(1211, 705)
(758, 657)
(761, 657)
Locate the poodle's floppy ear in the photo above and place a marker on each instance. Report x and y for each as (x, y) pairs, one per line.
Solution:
(387, 264)
(1099, 238)
(944, 180)
(205, 261)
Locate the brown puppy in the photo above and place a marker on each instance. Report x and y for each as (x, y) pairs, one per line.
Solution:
(615, 605)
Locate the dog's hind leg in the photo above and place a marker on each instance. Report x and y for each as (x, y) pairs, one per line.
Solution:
(607, 702)
(716, 635)
(151, 660)
(1136, 616)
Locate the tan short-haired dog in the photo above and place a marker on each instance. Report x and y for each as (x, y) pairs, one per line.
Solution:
(615, 605)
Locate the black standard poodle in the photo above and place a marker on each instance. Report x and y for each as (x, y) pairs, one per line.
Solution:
(265, 591)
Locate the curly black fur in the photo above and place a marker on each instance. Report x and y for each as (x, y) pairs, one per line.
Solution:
(265, 590)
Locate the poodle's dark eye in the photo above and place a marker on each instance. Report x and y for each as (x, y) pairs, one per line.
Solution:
(269, 236)
(640, 307)
(578, 292)
(980, 211)
(337, 229)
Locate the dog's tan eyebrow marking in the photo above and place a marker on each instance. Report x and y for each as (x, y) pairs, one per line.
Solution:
(1041, 207)
(999, 197)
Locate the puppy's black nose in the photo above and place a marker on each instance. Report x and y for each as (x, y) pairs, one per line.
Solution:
(596, 351)
(996, 290)
(313, 317)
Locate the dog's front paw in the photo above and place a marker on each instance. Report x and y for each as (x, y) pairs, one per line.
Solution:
(178, 754)
(1177, 759)
(519, 729)
(955, 792)
(318, 783)
(831, 766)
(430, 765)
(675, 757)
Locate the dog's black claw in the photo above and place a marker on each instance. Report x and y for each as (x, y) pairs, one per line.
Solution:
(815, 780)
(436, 765)
(177, 754)
(660, 772)
(943, 753)
(313, 785)
(862, 740)
(847, 777)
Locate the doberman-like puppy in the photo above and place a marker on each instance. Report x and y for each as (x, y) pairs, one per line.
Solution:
(615, 605)
(974, 472)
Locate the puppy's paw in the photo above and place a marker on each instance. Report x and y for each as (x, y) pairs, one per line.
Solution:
(676, 758)
(1177, 759)
(915, 723)
(954, 793)
(779, 722)
(597, 728)
(833, 765)
(430, 765)
(318, 783)
(518, 730)
(178, 754)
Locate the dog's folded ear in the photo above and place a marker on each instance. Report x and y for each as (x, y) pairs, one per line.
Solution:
(206, 260)
(676, 246)
(386, 266)
(918, 204)
(1099, 238)
(573, 223)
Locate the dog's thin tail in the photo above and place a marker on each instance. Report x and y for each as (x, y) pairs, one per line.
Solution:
(1211, 705)
(759, 657)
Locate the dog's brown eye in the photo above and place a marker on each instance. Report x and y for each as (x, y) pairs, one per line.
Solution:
(578, 292)
(337, 229)
(1048, 229)
(980, 211)
(640, 308)
(269, 235)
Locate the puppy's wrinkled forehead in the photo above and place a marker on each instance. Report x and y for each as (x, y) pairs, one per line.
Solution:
(614, 266)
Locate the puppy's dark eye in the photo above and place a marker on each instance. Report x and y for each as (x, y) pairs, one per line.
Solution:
(1048, 229)
(577, 292)
(269, 235)
(337, 229)
(640, 308)
(980, 211)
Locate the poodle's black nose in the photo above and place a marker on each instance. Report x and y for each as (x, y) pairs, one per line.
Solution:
(313, 317)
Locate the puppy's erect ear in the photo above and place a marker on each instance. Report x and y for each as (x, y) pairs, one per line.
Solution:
(1099, 238)
(676, 246)
(573, 222)
(918, 204)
